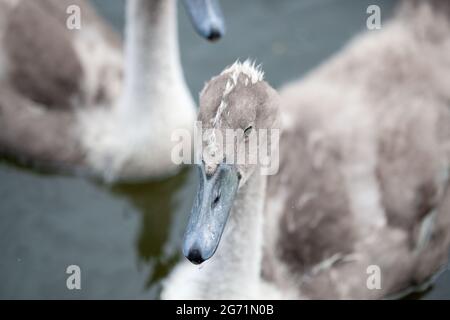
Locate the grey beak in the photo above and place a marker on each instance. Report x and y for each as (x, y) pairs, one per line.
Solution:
(207, 18)
(210, 213)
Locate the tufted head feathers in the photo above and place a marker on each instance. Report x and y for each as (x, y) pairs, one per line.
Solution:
(238, 101)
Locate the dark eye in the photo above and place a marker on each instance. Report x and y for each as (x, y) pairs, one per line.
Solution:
(248, 131)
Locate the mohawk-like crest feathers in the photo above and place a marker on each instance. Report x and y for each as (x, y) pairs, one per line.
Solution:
(252, 72)
(239, 75)
(248, 68)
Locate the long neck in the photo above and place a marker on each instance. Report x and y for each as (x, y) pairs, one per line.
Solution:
(151, 50)
(235, 269)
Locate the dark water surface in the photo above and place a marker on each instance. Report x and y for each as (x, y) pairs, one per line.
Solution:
(125, 238)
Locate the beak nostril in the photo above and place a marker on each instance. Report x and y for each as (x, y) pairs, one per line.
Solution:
(216, 200)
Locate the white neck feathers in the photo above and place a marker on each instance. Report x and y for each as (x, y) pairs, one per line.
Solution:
(151, 51)
(235, 269)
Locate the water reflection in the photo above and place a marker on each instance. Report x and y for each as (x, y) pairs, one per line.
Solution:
(125, 238)
(164, 208)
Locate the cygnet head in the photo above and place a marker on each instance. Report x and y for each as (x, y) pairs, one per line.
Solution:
(238, 110)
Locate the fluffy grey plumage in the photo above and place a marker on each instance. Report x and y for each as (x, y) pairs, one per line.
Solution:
(45, 78)
(364, 157)
(69, 100)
